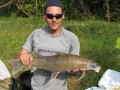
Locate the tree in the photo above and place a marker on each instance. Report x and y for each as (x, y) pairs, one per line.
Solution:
(104, 9)
(85, 8)
(36, 6)
(8, 3)
(107, 10)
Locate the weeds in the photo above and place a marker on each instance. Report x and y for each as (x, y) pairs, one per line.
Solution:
(98, 40)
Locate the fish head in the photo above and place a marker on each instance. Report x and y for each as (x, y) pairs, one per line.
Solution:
(93, 66)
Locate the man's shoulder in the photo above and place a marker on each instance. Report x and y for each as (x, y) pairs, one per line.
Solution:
(68, 33)
(39, 30)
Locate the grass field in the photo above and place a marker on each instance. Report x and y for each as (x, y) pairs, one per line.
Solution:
(98, 40)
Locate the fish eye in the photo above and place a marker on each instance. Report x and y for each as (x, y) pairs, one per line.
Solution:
(94, 65)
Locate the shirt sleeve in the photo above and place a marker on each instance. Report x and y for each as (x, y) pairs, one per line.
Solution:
(29, 43)
(75, 46)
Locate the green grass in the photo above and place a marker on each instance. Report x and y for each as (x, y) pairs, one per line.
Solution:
(97, 39)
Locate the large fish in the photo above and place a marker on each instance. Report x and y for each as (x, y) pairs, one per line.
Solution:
(58, 63)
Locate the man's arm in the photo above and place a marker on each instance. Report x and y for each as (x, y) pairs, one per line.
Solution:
(25, 57)
(75, 49)
(75, 46)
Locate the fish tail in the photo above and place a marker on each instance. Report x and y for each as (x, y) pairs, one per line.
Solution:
(17, 65)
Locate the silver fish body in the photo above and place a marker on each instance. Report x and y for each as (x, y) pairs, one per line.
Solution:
(59, 63)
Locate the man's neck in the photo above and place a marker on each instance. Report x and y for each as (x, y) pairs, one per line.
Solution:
(55, 32)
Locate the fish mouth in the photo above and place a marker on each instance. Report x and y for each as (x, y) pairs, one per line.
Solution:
(97, 69)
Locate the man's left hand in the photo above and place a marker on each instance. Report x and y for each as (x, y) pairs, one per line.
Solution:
(74, 72)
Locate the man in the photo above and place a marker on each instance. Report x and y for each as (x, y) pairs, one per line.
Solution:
(50, 41)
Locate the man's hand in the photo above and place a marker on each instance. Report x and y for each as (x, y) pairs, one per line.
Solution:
(74, 72)
(26, 59)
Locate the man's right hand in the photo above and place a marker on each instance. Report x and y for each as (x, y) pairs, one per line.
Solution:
(26, 59)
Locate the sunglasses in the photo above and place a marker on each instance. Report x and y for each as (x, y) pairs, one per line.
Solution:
(51, 16)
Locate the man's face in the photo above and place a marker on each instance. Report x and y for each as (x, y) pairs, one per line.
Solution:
(54, 16)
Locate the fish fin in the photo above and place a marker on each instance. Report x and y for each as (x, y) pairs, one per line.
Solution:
(54, 75)
(33, 69)
(17, 65)
(82, 75)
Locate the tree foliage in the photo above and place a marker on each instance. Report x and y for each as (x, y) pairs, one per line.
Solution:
(104, 9)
